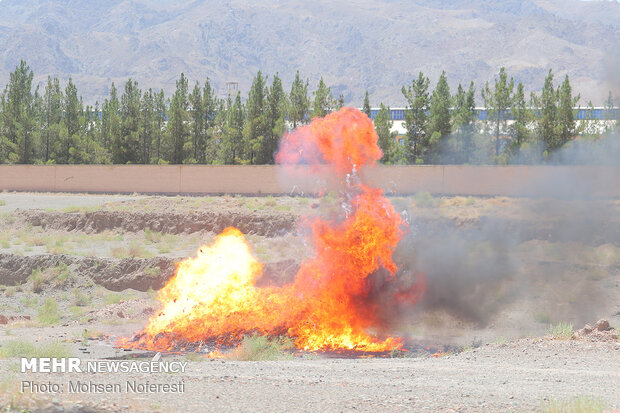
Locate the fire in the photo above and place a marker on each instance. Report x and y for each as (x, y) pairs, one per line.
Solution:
(344, 140)
(213, 297)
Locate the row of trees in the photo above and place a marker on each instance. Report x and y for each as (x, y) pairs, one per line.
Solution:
(144, 126)
(196, 126)
(442, 128)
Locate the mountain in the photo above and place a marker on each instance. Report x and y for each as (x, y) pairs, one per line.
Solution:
(355, 45)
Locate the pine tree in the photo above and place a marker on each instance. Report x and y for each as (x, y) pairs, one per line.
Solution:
(547, 119)
(71, 130)
(339, 103)
(299, 102)
(366, 106)
(210, 104)
(522, 116)
(498, 101)
(566, 114)
(255, 126)
(464, 118)
(416, 118)
(160, 118)
(147, 126)
(52, 116)
(197, 116)
(18, 123)
(232, 148)
(275, 126)
(383, 126)
(322, 102)
(110, 122)
(610, 110)
(440, 125)
(177, 129)
(127, 147)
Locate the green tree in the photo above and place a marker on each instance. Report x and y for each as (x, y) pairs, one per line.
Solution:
(110, 122)
(71, 133)
(366, 105)
(18, 123)
(464, 122)
(498, 101)
(147, 126)
(275, 122)
(232, 148)
(127, 146)
(177, 128)
(161, 112)
(522, 115)
(256, 122)
(440, 117)
(339, 103)
(210, 104)
(52, 116)
(383, 126)
(590, 127)
(322, 102)
(547, 118)
(197, 116)
(566, 112)
(299, 102)
(416, 117)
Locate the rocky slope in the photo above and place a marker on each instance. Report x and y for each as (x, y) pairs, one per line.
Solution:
(377, 45)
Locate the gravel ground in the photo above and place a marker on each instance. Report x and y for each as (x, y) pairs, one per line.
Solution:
(512, 377)
(26, 200)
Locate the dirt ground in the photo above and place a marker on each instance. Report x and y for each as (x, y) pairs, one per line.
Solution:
(508, 281)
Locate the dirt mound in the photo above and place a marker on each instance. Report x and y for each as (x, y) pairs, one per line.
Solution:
(117, 274)
(259, 223)
(601, 331)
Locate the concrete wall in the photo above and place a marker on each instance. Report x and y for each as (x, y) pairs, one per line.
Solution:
(599, 181)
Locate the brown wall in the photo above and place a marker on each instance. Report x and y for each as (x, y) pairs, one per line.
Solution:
(602, 181)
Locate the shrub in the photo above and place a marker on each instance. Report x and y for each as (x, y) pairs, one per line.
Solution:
(36, 276)
(48, 312)
(113, 298)
(561, 331)
(23, 348)
(582, 404)
(424, 200)
(80, 299)
(257, 347)
(63, 273)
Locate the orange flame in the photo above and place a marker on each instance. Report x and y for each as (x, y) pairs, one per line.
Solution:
(214, 297)
(344, 140)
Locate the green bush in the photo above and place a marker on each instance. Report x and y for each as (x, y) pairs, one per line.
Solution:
(48, 312)
(561, 331)
(582, 404)
(254, 348)
(23, 348)
(424, 200)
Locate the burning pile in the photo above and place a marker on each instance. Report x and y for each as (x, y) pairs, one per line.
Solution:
(330, 305)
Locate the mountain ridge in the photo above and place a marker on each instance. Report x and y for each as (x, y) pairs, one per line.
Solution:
(355, 45)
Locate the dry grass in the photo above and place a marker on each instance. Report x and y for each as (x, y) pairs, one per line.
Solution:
(48, 312)
(581, 404)
(561, 331)
(23, 348)
(258, 348)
